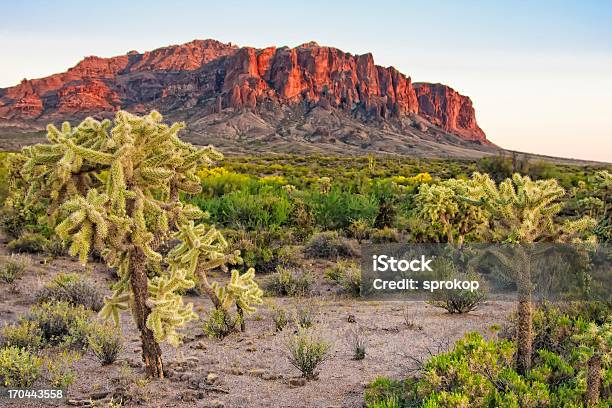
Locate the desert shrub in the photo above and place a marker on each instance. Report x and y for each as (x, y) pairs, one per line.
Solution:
(264, 250)
(30, 242)
(74, 289)
(279, 316)
(360, 229)
(336, 209)
(346, 274)
(357, 342)
(19, 368)
(555, 327)
(290, 282)
(305, 313)
(330, 244)
(59, 371)
(55, 247)
(266, 209)
(384, 236)
(482, 373)
(458, 301)
(219, 323)
(106, 342)
(385, 392)
(60, 322)
(25, 335)
(307, 351)
(12, 268)
(217, 181)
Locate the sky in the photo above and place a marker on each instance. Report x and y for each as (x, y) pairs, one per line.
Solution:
(539, 72)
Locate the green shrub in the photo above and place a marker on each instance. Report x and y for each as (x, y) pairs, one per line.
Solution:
(307, 351)
(357, 342)
(264, 250)
(279, 316)
(106, 342)
(13, 268)
(360, 229)
(219, 323)
(384, 236)
(18, 367)
(290, 282)
(60, 322)
(385, 392)
(74, 289)
(266, 209)
(346, 274)
(336, 209)
(25, 335)
(481, 373)
(305, 313)
(328, 245)
(29, 242)
(59, 371)
(55, 247)
(456, 301)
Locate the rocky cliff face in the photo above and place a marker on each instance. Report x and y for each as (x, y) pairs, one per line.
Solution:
(203, 78)
(445, 107)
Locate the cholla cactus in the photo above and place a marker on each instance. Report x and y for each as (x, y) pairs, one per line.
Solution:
(117, 191)
(203, 248)
(444, 210)
(523, 211)
(595, 345)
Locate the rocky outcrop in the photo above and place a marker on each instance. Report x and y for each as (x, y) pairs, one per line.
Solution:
(207, 77)
(448, 109)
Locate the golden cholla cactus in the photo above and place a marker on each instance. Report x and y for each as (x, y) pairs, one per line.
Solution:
(203, 248)
(114, 187)
(444, 212)
(524, 210)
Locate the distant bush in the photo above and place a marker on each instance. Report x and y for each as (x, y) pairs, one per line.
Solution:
(330, 244)
(12, 268)
(74, 289)
(384, 236)
(357, 342)
(265, 250)
(30, 242)
(279, 316)
(307, 351)
(18, 367)
(106, 342)
(346, 274)
(290, 282)
(305, 313)
(360, 229)
(336, 209)
(251, 211)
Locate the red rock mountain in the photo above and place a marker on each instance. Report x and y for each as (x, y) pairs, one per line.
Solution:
(309, 93)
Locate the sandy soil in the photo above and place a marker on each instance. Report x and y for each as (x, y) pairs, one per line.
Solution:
(251, 369)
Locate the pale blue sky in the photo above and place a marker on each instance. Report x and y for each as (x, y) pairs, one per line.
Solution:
(539, 72)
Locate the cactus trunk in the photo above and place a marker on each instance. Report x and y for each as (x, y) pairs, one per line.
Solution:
(151, 352)
(524, 336)
(593, 380)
